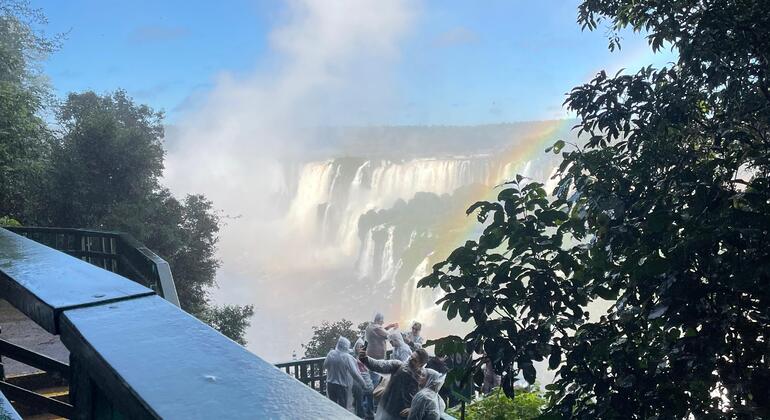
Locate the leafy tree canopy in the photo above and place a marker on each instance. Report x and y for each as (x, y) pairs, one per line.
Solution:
(100, 170)
(230, 320)
(325, 336)
(23, 94)
(109, 157)
(663, 210)
(104, 174)
(526, 405)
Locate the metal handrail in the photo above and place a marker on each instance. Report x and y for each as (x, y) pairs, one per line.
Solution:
(299, 370)
(310, 372)
(34, 359)
(298, 362)
(26, 396)
(118, 252)
(135, 355)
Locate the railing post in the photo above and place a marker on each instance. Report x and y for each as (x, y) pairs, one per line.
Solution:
(322, 374)
(80, 390)
(303, 374)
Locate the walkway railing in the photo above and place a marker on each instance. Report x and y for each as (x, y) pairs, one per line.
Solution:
(114, 251)
(135, 355)
(308, 371)
(21, 388)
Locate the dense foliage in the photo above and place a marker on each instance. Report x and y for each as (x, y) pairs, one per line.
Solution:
(23, 95)
(526, 405)
(325, 336)
(230, 320)
(662, 211)
(99, 169)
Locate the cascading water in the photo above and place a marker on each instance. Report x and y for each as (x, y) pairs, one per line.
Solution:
(386, 217)
(352, 233)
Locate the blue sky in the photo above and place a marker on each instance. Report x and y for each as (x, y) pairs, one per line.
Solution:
(460, 62)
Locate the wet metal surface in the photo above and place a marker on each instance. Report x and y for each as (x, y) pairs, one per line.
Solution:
(7, 412)
(41, 282)
(155, 360)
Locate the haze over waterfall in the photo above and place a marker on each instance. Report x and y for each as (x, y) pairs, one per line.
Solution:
(349, 226)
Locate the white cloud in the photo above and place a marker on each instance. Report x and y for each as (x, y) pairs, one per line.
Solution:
(330, 62)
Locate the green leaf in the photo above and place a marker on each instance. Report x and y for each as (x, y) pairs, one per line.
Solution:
(605, 293)
(529, 372)
(552, 216)
(451, 311)
(555, 359)
(557, 147)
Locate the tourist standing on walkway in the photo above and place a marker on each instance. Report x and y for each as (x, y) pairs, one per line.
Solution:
(400, 350)
(427, 404)
(403, 383)
(413, 338)
(376, 336)
(362, 396)
(341, 373)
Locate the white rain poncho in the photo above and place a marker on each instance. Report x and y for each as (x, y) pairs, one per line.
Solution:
(341, 367)
(400, 350)
(427, 404)
(376, 337)
(414, 341)
(362, 369)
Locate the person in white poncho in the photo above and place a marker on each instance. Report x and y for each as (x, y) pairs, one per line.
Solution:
(342, 372)
(427, 404)
(400, 350)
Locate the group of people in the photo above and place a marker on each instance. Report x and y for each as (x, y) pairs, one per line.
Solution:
(383, 389)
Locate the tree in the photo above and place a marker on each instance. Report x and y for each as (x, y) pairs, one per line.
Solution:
(187, 238)
(23, 94)
(105, 174)
(526, 405)
(325, 337)
(109, 158)
(230, 320)
(664, 211)
(101, 172)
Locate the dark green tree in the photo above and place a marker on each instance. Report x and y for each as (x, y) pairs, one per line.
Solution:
(662, 209)
(325, 337)
(105, 174)
(195, 261)
(23, 94)
(102, 171)
(109, 159)
(230, 320)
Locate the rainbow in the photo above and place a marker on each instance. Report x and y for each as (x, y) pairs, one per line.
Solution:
(459, 227)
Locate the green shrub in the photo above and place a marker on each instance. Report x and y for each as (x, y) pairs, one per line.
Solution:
(9, 221)
(496, 406)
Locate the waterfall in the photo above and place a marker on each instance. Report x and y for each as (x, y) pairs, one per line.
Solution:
(385, 216)
(351, 224)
